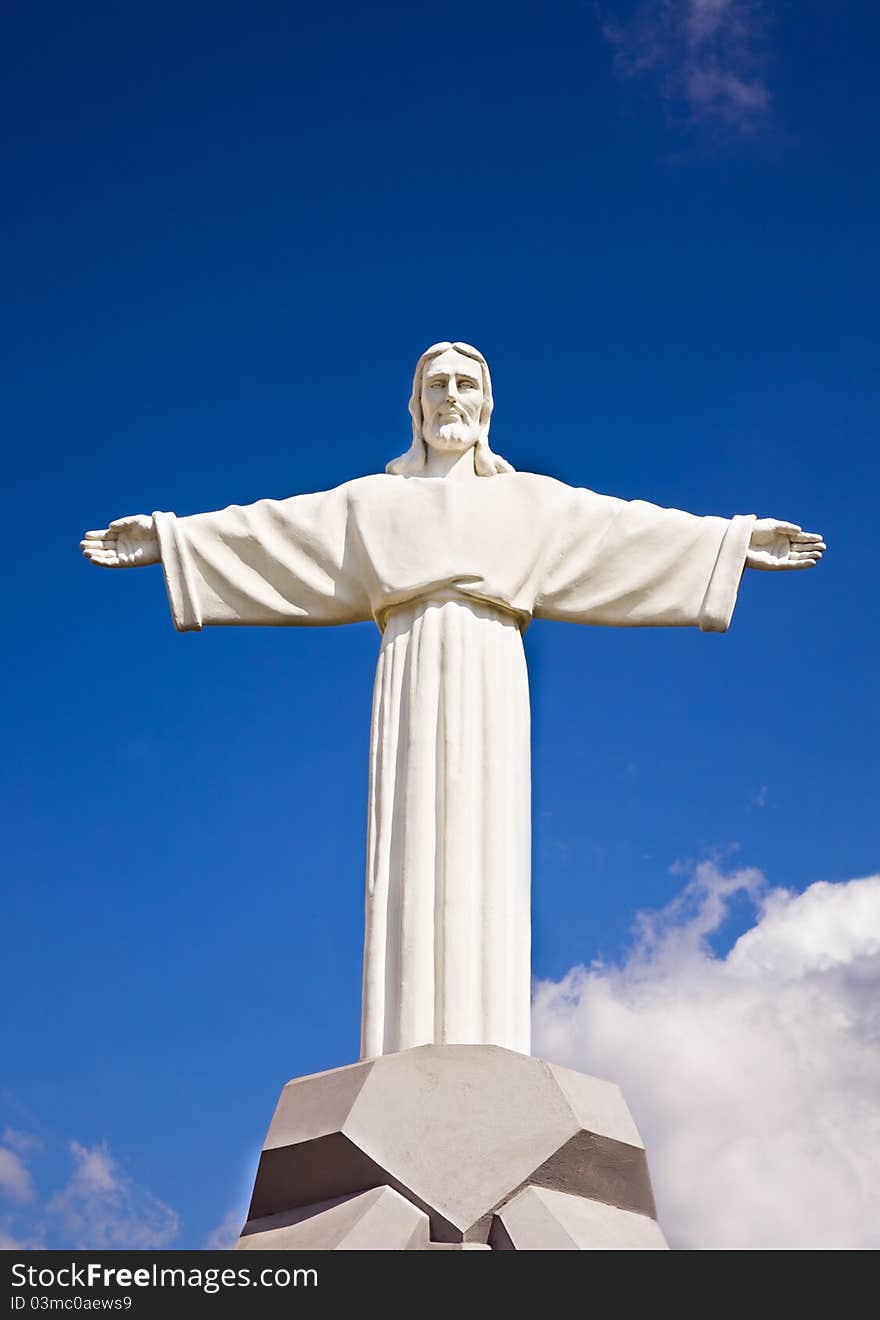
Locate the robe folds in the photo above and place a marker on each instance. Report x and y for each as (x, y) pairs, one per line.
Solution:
(452, 572)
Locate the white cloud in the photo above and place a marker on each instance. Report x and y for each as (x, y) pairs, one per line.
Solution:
(227, 1232)
(708, 54)
(15, 1139)
(754, 1077)
(15, 1181)
(99, 1208)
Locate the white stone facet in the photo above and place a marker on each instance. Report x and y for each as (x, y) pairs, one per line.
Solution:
(541, 1219)
(377, 1220)
(597, 1104)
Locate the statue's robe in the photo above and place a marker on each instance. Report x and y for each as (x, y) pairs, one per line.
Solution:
(452, 572)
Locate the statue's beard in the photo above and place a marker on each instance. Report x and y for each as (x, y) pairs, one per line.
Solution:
(454, 435)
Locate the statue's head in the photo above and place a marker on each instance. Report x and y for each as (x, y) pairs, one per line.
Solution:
(451, 407)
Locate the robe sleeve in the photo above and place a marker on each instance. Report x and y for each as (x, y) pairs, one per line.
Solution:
(275, 562)
(630, 564)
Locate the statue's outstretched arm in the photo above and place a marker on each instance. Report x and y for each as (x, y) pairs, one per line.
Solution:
(777, 545)
(273, 562)
(127, 543)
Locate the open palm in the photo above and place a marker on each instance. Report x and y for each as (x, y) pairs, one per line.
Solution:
(779, 545)
(127, 543)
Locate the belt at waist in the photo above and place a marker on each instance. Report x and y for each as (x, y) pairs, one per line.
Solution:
(445, 596)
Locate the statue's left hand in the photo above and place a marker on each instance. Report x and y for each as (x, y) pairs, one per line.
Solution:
(775, 545)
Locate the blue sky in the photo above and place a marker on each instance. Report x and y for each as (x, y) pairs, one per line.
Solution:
(229, 231)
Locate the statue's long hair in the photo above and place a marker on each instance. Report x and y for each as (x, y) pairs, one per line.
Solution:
(486, 463)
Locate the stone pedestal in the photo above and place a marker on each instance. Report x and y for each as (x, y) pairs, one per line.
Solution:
(452, 1147)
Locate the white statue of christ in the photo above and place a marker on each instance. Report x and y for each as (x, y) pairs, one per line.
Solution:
(452, 553)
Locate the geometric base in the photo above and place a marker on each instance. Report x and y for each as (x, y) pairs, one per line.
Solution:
(452, 1147)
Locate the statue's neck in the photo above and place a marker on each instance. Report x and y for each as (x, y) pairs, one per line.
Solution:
(449, 464)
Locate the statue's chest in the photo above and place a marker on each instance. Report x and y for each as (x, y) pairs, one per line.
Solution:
(430, 523)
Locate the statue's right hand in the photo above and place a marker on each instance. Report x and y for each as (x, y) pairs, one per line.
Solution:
(127, 543)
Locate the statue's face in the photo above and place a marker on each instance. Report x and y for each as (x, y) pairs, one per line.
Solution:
(452, 398)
